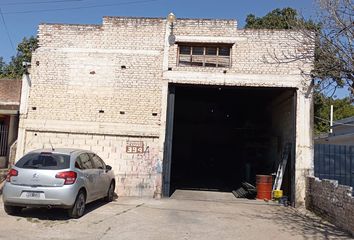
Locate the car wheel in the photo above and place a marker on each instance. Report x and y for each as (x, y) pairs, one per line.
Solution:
(78, 208)
(110, 193)
(12, 210)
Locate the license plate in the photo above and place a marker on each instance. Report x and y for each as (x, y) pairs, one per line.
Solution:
(32, 195)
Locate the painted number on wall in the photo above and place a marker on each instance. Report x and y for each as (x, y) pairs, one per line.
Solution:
(135, 147)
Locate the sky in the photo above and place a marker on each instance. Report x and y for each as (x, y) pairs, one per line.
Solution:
(23, 16)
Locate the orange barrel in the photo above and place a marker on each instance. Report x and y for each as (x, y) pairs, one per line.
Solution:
(264, 186)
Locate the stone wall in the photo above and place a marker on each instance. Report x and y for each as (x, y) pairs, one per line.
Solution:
(332, 201)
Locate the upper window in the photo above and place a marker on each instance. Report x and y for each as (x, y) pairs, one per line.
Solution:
(204, 55)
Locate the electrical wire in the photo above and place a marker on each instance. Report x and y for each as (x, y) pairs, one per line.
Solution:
(38, 2)
(77, 8)
(334, 122)
(6, 29)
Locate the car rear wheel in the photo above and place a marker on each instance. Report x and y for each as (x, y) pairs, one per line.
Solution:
(78, 209)
(110, 193)
(12, 210)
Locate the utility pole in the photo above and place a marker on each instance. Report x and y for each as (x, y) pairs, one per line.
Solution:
(331, 120)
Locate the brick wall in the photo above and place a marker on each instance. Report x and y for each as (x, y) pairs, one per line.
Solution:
(331, 201)
(10, 90)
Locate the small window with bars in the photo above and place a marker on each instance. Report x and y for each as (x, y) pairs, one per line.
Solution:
(204, 56)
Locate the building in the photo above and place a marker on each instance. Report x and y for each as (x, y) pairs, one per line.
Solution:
(342, 133)
(193, 104)
(10, 92)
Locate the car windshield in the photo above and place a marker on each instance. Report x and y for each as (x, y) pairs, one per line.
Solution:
(42, 160)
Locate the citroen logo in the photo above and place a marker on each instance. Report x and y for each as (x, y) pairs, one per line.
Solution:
(35, 175)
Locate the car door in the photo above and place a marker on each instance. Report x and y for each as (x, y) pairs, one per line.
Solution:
(84, 163)
(103, 181)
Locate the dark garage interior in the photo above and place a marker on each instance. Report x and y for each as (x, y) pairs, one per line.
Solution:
(223, 136)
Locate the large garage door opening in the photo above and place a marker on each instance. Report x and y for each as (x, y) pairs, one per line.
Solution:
(219, 137)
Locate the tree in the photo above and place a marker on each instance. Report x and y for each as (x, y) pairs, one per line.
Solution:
(24, 54)
(333, 62)
(333, 34)
(334, 54)
(286, 18)
(342, 108)
(2, 66)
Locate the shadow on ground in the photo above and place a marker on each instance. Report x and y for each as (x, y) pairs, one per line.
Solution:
(309, 225)
(56, 214)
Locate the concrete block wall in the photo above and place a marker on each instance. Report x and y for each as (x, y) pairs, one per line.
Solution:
(331, 201)
(136, 174)
(253, 51)
(115, 67)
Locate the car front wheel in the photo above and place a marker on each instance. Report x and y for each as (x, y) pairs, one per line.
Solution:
(78, 208)
(110, 193)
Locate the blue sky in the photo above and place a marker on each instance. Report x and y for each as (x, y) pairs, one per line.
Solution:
(25, 24)
(23, 16)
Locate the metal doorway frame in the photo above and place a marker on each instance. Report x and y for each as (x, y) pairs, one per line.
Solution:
(166, 175)
(293, 150)
(169, 140)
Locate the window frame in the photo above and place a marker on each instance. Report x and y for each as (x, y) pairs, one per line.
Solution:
(204, 46)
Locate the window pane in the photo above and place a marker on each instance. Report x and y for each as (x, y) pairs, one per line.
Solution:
(223, 61)
(211, 51)
(210, 64)
(184, 50)
(78, 163)
(224, 51)
(185, 59)
(86, 161)
(44, 161)
(198, 50)
(98, 161)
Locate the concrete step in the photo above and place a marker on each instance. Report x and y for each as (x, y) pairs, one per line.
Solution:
(203, 195)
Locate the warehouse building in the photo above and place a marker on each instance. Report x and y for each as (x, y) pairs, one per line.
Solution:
(173, 103)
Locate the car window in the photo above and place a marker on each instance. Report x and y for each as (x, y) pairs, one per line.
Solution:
(44, 160)
(85, 161)
(98, 161)
(78, 163)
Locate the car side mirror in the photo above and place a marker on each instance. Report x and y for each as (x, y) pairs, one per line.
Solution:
(108, 168)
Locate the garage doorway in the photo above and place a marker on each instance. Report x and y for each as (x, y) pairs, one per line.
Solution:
(218, 137)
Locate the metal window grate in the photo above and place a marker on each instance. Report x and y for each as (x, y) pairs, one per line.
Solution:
(204, 56)
(3, 139)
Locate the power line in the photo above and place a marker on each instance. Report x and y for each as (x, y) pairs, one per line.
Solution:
(76, 8)
(334, 123)
(6, 30)
(39, 2)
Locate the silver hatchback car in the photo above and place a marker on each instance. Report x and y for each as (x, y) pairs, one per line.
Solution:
(63, 178)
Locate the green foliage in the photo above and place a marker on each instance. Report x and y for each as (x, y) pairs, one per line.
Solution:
(330, 64)
(342, 108)
(2, 65)
(24, 54)
(286, 18)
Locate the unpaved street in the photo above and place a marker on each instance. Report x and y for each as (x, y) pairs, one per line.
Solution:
(188, 215)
